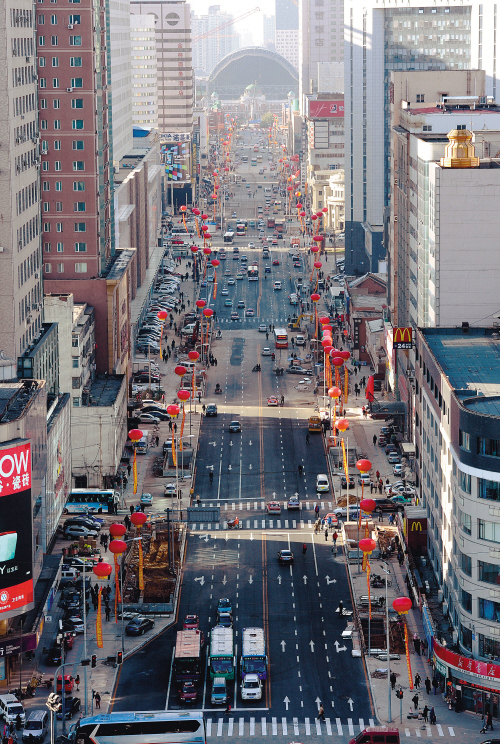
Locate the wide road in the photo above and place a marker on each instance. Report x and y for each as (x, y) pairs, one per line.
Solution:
(309, 661)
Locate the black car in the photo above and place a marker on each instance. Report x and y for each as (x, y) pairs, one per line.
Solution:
(386, 505)
(343, 482)
(139, 625)
(71, 706)
(285, 557)
(55, 656)
(211, 410)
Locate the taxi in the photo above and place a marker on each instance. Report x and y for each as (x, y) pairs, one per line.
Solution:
(274, 507)
(272, 400)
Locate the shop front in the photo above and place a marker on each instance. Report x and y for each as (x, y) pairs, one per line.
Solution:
(468, 684)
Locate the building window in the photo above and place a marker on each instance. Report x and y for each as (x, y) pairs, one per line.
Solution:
(489, 647)
(43, 123)
(58, 185)
(77, 82)
(57, 123)
(487, 446)
(55, 61)
(465, 522)
(488, 530)
(59, 207)
(78, 165)
(80, 247)
(466, 600)
(76, 401)
(43, 82)
(76, 362)
(420, 98)
(41, 41)
(55, 82)
(46, 206)
(80, 227)
(464, 440)
(41, 19)
(53, 20)
(80, 268)
(488, 572)
(54, 40)
(57, 144)
(78, 185)
(75, 62)
(75, 40)
(43, 103)
(489, 610)
(56, 104)
(466, 637)
(46, 226)
(79, 207)
(427, 128)
(465, 563)
(60, 247)
(57, 165)
(60, 268)
(75, 19)
(464, 481)
(77, 124)
(75, 383)
(46, 247)
(46, 186)
(78, 145)
(489, 490)
(59, 227)
(77, 103)
(41, 61)
(48, 268)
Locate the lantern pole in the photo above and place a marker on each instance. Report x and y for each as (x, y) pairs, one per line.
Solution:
(387, 640)
(359, 520)
(85, 694)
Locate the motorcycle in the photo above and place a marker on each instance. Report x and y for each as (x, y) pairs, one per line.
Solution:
(256, 368)
(218, 334)
(233, 524)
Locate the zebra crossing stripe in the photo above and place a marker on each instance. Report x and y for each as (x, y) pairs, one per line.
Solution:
(407, 732)
(429, 731)
(351, 726)
(339, 726)
(241, 726)
(318, 727)
(451, 730)
(284, 727)
(308, 727)
(361, 724)
(296, 726)
(209, 727)
(372, 722)
(219, 726)
(417, 733)
(328, 727)
(230, 727)
(440, 730)
(275, 726)
(252, 727)
(264, 726)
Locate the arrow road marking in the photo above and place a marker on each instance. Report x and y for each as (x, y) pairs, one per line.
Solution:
(224, 580)
(250, 580)
(330, 581)
(251, 536)
(286, 701)
(250, 466)
(229, 467)
(202, 537)
(318, 703)
(210, 467)
(250, 442)
(230, 444)
(350, 703)
(283, 645)
(201, 579)
(311, 643)
(340, 648)
(305, 579)
(213, 443)
(279, 580)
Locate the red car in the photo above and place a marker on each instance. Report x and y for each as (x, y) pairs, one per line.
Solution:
(69, 683)
(191, 622)
(276, 262)
(188, 692)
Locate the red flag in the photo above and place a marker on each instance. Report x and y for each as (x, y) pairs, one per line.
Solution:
(370, 389)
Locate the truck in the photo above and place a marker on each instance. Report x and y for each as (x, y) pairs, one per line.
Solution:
(280, 226)
(271, 222)
(314, 424)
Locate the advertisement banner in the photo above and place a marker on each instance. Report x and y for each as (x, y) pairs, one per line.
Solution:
(326, 109)
(402, 338)
(16, 540)
(479, 669)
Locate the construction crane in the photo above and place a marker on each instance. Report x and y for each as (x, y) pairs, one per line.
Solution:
(225, 25)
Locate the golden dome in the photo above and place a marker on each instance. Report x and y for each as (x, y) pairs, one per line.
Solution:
(460, 151)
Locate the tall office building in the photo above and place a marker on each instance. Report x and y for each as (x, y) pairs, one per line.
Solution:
(321, 42)
(382, 36)
(269, 32)
(119, 78)
(214, 36)
(287, 30)
(286, 14)
(144, 71)
(175, 69)
(21, 292)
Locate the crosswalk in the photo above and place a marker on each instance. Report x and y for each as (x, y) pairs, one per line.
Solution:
(263, 726)
(255, 524)
(261, 505)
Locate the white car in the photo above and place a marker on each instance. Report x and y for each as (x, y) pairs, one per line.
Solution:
(77, 530)
(322, 484)
(262, 328)
(251, 687)
(300, 340)
(277, 285)
(266, 351)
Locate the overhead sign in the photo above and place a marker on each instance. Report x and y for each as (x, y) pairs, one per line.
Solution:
(402, 338)
(326, 109)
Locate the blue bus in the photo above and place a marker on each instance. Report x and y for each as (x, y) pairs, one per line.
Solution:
(138, 727)
(92, 501)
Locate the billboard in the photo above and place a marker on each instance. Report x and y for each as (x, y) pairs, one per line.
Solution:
(326, 109)
(16, 549)
(402, 338)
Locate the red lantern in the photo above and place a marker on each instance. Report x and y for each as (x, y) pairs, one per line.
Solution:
(196, 211)
(289, 188)
(364, 466)
(207, 236)
(325, 210)
(180, 370)
(315, 297)
(214, 196)
(317, 238)
(215, 187)
(173, 409)
(327, 349)
(200, 303)
(402, 605)
(207, 251)
(183, 394)
(345, 355)
(215, 262)
(138, 519)
(194, 356)
(118, 546)
(299, 205)
(102, 570)
(314, 248)
(325, 341)
(208, 312)
(334, 392)
(183, 208)
(318, 264)
(194, 249)
(324, 320)
(314, 216)
(117, 529)
(204, 216)
(204, 228)
(342, 424)
(368, 505)
(135, 435)
(162, 315)
(367, 545)
(337, 361)
(297, 194)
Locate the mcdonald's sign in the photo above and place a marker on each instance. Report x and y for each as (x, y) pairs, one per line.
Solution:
(402, 338)
(417, 526)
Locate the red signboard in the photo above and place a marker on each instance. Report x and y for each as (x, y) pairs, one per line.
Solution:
(480, 669)
(326, 109)
(402, 338)
(16, 549)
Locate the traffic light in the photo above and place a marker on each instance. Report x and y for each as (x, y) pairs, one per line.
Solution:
(93, 661)
(119, 658)
(399, 694)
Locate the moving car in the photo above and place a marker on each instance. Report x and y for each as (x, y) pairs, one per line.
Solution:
(231, 281)
(71, 706)
(251, 687)
(277, 285)
(274, 507)
(250, 312)
(394, 458)
(276, 262)
(343, 482)
(147, 499)
(399, 499)
(262, 328)
(191, 622)
(235, 427)
(139, 625)
(294, 370)
(55, 656)
(235, 316)
(266, 351)
(322, 484)
(272, 400)
(228, 303)
(241, 304)
(224, 605)
(225, 619)
(293, 503)
(188, 692)
(285, 557)
(224, 291)
(148, 418)
(77, 530)
(211, 410)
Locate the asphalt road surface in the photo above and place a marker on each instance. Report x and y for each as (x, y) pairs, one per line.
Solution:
(309, 662)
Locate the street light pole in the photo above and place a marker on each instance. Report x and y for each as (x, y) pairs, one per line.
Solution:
(387, 642)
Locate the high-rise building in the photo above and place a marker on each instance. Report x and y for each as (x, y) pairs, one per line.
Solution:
(287, 44)
(287, 15)
(381, 36)
(174, 55)
(144, 71)
(321, 42)
(119, 78)
(21, 292)
(214, 36)
(269, 32)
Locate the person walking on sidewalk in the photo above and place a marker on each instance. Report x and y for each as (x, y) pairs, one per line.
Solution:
(427, 685)
(393, 679)
(418, 680)
(108, 613)
(416, 643)
(326, 535)
(489, 721)
(374, 439)
(335, 537)
(425, 713)
(97, 699)
(321, 713)
(432, 716)
(415, 701)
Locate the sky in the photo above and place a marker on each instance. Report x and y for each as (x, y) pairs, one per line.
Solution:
(252, 24)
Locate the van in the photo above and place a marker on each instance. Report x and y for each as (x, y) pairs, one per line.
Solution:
(36, 727)
(219, 691)
(141, 447)
(377, 735)
(10, 708)
(71, 574)
(322, 484)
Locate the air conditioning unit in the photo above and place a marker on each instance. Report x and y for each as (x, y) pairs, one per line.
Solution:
(45, 152)
(69, 90)
(70, 25)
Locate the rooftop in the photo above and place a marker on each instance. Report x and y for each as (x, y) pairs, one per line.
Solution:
(104, 390)
(15, 398)
(471, 362)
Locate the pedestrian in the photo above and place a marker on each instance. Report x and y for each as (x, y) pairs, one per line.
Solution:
(157, 440)
(321, 713)
(316, 509)
(489, 721)
(377, 475)
(416, 644)
(131, 509)
(94, 602)
(425, 713)
(127, 522)
(401, 558)
(129, 469)
(380, 515)
(304, 548)
(97, 698)
(77, 682)
(432, 716)
(380, 486)
(393, 679)
(340, 608)
(228, 710)
(374, 439)
(326, 535)
(435, 684)
(108, 612)
(427, 685)
(418, 680)
(334, 538)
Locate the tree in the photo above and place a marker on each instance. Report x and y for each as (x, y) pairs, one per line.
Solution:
(267, 120)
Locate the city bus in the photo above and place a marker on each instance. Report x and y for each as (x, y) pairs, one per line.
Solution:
(253, 653)
(259, 158)
(229, 236)
(253, 273)
(91, 500)
(281, 338)
(221, 662)
(187, 656)
(154, 727)
(240, 231)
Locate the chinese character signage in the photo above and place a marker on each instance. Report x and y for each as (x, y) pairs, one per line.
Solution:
(171, 137)
(357, 326)
(16, 550)
(402, 338)
(479, 669)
